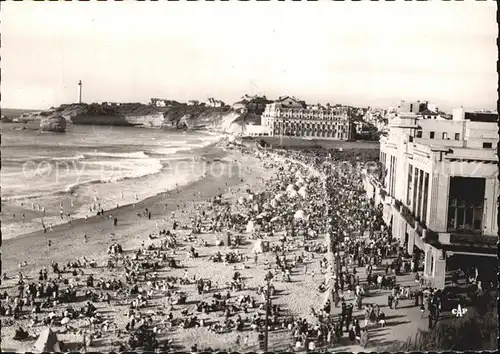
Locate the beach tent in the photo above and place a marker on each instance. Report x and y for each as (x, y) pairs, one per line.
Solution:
(303, 192)
(290, 188)
(311, 233)
(293, 194)
(47, 342)
(258, 247)
(299, 214)
(241, 200)
(274, 203)
(250, 197)
(250, 226)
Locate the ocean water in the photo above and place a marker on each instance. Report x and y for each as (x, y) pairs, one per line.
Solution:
(90, 166)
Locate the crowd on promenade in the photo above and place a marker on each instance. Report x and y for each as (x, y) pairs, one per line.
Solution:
(314, 209)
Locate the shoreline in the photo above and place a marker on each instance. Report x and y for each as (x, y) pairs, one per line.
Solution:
(65, 236)
(33, 220)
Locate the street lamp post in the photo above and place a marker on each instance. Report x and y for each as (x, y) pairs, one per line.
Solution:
(268, 278)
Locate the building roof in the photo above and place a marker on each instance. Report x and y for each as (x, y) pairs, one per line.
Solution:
(428, 112)
(482, 116)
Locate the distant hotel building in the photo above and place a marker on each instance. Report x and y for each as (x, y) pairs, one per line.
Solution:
(291, 117)
(439, 190)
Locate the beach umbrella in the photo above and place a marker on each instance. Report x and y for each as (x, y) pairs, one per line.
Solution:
(250, 226)
(241, 200)
(274, 203)
(65, 320)
(266, 206)
(292, 194)
(290, 188)
(299, 214)
(311, 233)
(302, 192)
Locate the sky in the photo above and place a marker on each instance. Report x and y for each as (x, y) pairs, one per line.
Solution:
(356, 53)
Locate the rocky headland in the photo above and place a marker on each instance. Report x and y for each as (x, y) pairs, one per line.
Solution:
(176, 116)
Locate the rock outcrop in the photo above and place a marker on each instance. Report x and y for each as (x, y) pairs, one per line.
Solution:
(177, 116)
(53, 123)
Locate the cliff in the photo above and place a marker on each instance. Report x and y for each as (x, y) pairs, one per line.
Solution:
(176, 116)
(221, 119)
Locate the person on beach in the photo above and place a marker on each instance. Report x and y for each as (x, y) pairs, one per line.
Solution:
(140, 268)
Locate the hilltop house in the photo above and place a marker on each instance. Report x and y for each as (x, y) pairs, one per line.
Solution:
(212, 102)
(157, 102)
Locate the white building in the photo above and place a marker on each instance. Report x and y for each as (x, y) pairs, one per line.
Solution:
(439, 189)
(212, 102)
(289, 116)
(193, 103)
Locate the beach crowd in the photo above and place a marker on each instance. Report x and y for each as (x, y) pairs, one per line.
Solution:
(313, 220)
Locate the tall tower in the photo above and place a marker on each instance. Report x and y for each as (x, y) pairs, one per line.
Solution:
(80, 91)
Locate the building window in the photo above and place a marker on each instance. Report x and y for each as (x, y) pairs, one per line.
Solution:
(415, 189)
(487, 145)
(457, 136)
(431, 135)
(425, 197)
(409, 193)
(419, 133)
(445, 136)
(420, 194)
(466, 204)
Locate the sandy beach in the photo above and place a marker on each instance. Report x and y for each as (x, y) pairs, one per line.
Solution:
(67, 242)
(235, 173)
